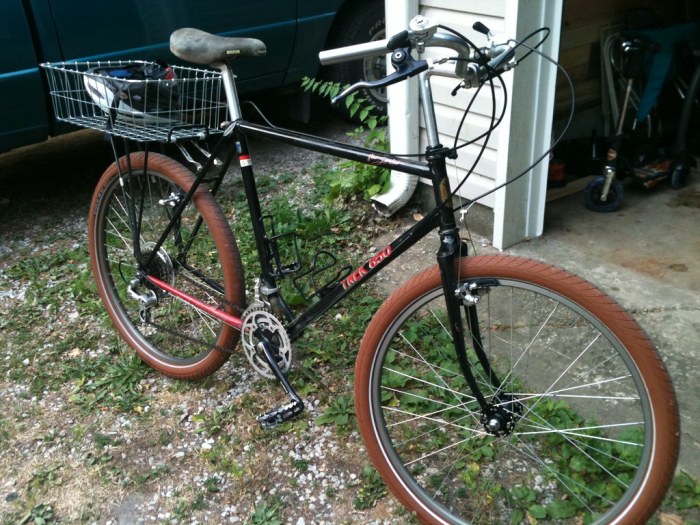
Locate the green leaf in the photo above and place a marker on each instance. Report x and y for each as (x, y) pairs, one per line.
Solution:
(487, 451)
(560, 510)
(374, 189)
(517, 516)
(350, 100)
(578, 464)
(537, 512)
(521, 492)
(686, 502)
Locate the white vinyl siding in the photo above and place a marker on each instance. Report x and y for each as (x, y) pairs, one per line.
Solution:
(461, 16)
(525, 132)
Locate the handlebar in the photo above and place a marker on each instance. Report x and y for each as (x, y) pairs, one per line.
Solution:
(345, 54)
(473, 66)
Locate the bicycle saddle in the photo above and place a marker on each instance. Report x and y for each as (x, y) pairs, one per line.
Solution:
(200, 47)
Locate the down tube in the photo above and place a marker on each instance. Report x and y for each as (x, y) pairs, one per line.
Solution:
(362, 274)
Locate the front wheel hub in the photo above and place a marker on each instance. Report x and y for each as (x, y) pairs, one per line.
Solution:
(501, 415)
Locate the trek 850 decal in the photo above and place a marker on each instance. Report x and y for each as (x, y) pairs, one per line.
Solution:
(363, 270)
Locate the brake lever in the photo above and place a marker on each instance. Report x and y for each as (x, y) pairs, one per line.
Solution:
(406, 67)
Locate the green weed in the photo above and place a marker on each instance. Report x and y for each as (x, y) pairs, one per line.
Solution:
(684, 496)
(119, 387)
(372, 489)
(48, 476)
(340, 413)
(265, 513)
(41, 514)
(350, 177)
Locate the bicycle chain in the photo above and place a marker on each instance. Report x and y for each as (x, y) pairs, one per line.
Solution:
(222, 302)
(189, 338)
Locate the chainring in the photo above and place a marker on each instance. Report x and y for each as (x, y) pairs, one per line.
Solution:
(255, 317)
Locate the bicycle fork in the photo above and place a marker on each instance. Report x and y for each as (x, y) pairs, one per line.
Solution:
(500, 413)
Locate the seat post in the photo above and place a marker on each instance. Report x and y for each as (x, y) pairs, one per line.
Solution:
(229, 79)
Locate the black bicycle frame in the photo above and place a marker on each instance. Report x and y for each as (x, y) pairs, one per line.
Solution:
(441, 217)
(367, 156)
(382, 258)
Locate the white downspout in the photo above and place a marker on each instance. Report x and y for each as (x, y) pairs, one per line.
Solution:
(403, 115)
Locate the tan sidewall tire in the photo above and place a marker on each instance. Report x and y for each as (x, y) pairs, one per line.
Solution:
(226, 246)
(664, 408)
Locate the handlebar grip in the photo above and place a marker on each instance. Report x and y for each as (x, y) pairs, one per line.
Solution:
(345, 54)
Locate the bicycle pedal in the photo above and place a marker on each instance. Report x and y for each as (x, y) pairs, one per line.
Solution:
(282, 414)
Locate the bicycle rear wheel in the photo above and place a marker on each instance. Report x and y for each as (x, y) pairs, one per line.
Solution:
(591, 421)
(199, 257)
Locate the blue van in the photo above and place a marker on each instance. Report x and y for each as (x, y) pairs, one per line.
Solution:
(36, 31)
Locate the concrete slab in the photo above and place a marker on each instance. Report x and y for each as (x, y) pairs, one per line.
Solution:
(646, 256)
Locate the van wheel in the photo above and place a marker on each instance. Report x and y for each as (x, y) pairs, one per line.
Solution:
(364, 23)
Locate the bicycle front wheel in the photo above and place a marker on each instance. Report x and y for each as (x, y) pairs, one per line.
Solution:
(582, 423)
(199, 257)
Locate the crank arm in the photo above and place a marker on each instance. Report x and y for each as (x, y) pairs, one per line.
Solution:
(286, 412)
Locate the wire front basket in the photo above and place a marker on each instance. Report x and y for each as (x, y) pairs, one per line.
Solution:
(179, 103)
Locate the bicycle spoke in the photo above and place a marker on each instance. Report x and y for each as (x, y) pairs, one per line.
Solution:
(173, 330)
(575, 415)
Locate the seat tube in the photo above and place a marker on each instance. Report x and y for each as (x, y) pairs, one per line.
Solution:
(247, 175)
(251, 192)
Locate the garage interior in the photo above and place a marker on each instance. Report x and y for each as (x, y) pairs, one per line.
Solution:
(584, 29)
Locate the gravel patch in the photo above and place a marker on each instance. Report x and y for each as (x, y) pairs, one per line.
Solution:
(182, 452)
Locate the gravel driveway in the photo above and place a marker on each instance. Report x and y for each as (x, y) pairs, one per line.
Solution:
(182, 452)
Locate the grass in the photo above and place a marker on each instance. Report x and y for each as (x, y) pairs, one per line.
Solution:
(85, 424)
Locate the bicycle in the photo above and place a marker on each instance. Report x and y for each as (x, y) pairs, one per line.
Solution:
(487, 388)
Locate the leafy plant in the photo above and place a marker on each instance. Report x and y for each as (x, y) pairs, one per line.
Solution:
(684, 493)
(355, 105)
(371, 490)
(48, 476)
(351, 177)
(39, 515)
(265, 514)
(339, 413)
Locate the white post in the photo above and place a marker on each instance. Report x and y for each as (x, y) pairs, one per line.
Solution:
(403, 113)
(519, 207)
